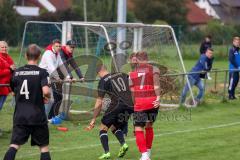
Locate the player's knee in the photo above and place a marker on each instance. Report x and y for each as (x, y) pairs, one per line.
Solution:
(44, 149)
(14, 146)
(138, 128)
(149, 125)
(103, 127)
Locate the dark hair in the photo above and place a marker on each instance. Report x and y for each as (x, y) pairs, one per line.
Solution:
(132, 55)
(100, 67)
(56, 41)
(33, 52)
(142, 56)
(210, 49)
(209, 36)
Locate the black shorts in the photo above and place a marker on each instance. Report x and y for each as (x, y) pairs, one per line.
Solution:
(118, 117)
(140, 118)
(39, 135)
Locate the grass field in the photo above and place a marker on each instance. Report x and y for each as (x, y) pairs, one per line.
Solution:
(208, 132)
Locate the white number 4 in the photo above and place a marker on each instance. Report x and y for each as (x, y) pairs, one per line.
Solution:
(142, 80)
(24, 89)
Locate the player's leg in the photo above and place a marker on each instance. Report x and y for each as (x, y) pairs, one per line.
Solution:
(40, 138)
(11, 153)
(45, 155)
(149, 131)
(20, 135)
(140, 119)
(107, 121)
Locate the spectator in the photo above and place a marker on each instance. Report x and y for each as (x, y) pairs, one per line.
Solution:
(51, 61)
(203, 64)
(234, 63)
(207, 43)
(66, 54)
(7, 67)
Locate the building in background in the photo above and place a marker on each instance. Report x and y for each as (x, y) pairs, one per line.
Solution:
(33, 7)
(196, 17)
(227, 11)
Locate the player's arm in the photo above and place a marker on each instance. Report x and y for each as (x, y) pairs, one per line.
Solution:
(45, 86)
(156, 82)
(98, 104)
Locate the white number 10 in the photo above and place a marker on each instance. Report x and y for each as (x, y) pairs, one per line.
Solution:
(24, 89)
(142, 80)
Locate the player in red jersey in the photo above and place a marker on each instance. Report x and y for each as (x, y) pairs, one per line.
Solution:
(144, 83)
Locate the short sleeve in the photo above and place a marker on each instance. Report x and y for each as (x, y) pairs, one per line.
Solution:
(101, 88)
(12, 83)
(44, 78)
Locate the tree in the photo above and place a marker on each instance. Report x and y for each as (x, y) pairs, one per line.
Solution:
(172, 11)
(11, 23)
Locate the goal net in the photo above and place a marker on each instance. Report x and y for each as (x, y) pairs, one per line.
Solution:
(112, 44)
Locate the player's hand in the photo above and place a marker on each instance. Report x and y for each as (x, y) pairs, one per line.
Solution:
(13, 67)
(90, 126)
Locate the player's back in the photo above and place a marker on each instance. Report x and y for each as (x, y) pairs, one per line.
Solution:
(27, 83)
(141, 79)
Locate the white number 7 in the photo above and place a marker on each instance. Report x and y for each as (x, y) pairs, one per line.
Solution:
(142, 80)
(24, 89)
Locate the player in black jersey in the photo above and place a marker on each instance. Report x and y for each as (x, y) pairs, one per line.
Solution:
(116, 87)
(30, 86)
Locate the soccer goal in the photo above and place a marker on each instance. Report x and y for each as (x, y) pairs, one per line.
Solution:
(111, 44)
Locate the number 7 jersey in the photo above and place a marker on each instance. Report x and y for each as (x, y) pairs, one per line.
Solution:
(141, 83)
(27, 83)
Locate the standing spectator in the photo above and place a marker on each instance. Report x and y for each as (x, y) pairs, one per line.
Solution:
(207, 43)
(30, 86)
(7, 67)
(66, 54)
(234, 63)
(203, 64)
(51, 61)
(145, 87)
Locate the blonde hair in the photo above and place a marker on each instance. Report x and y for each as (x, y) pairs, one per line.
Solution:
(4, 43)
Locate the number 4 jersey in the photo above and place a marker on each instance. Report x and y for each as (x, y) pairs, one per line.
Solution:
(142, 84)
(27, 83)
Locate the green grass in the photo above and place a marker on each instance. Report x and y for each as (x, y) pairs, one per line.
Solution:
(210, 131)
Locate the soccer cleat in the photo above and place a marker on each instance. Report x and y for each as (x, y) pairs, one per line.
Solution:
(123, 151)
(105, 156)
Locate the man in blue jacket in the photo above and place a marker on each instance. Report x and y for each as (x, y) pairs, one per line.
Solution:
(234, 64)
(203, 64)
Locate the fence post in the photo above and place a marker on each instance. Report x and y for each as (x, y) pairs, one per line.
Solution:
(224, 89)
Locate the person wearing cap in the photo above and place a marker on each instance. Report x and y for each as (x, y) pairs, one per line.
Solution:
(66, 54)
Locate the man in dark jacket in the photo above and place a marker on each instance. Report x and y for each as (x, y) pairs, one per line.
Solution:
(205, 44)
(204, 64)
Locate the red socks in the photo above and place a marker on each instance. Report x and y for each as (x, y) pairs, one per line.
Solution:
(141, 142)
(149, 137)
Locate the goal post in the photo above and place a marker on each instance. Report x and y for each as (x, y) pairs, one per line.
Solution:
(112, 43)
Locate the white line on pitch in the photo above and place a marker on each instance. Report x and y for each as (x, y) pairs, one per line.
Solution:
(133, 139)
